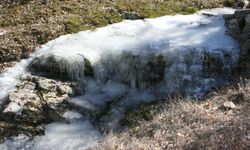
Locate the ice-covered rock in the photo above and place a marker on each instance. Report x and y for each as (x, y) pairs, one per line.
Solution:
(73, 66)
(37, 100)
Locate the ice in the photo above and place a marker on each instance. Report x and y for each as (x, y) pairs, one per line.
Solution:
(143, 36)
(79, 135)
(134, 62)
(96, 98)
(150, 36)
(20, 142)
(71, 115)
(10, 78)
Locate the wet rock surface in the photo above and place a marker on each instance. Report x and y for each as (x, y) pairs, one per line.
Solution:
(239, 27)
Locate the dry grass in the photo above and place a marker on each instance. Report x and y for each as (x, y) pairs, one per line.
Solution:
(186, 124)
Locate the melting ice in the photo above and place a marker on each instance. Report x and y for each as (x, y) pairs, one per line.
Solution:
(135, 62)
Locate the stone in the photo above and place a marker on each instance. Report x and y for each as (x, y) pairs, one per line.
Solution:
(212, 64)
(238, 26)
(227, 105)
(241, 4)
(237, 98)
(240, 14)
(215, 63)
(37, 100)
(146, 71)
(9, 129)
(7, 56)
(245, 47)
(60, 67)
(233, 26)
(132, 15)
(2, 32)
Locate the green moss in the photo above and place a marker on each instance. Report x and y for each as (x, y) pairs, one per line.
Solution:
(151, 9)
(190, 10)
(73, 25)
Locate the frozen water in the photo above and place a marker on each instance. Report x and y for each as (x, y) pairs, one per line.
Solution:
(166, 35)
(71, 115)
(78, 135)
(142, 37)
(10, 78)
(134, 62)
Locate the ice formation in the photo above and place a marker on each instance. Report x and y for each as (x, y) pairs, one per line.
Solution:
(78, 135)
(133, 62)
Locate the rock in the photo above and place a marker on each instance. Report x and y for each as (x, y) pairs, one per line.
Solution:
(7, 56)
(227, 105)
(8, 129)
(234, 28)
(216, 63)
(245, 47)
(5, 65)
(241, 13)
(2, 32)
(237, 98)
(37, 100)
(132, 15)
(146, 71)
(238, 26)
(63, 67)
(212, 64)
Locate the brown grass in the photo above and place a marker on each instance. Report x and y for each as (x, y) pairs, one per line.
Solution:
(186, 124)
